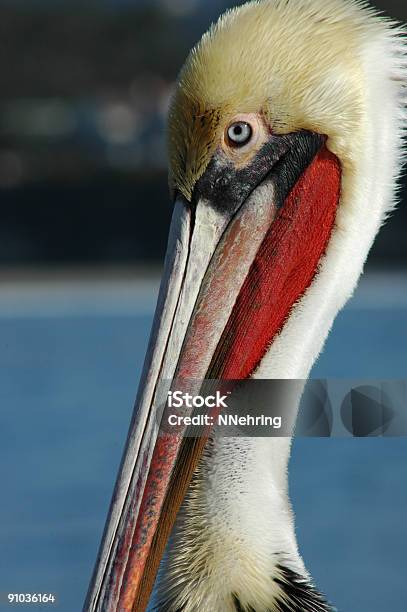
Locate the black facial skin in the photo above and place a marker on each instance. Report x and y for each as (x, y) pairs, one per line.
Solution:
(287, 156)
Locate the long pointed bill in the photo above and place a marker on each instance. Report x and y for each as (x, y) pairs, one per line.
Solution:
(239, 256)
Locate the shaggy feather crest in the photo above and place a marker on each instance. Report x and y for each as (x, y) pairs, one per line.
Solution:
(300, 62)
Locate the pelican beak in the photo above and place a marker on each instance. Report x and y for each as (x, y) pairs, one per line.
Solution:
(214, 271)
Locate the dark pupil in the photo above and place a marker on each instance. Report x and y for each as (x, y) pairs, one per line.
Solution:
(238, 130)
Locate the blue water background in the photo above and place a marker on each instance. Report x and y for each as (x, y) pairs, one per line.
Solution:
(70, 360)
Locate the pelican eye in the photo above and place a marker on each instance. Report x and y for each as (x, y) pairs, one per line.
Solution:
(239, 133)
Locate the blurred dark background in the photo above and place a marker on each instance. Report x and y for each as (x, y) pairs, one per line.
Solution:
(83, 99)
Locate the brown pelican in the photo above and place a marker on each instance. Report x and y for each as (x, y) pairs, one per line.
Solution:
(284, 148)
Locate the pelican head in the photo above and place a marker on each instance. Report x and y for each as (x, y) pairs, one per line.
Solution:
(284, 148)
